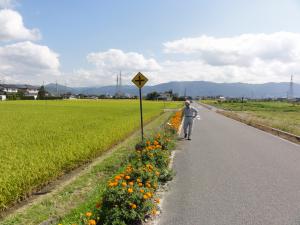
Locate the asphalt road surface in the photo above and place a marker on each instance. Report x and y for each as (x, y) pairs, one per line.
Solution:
(233, 174)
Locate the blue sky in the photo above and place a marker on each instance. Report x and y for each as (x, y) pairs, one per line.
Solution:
(74, 29)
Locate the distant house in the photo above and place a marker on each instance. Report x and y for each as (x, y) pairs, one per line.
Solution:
(29, 90)
(26, 90)
(8, 88)
(165, 96)
(222, 98)
(2, 95)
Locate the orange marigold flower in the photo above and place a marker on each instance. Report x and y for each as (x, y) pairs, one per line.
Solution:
(155, 142)
(130, 190)
(88, 214)
(133, 206)
(149, 194)
(131, 183)
(124, 184)
(118, 177)
(157, 200)
(148, 185)
(140, 184)
(157, 173)
(127, 177)
(92, 222)
(142, 190)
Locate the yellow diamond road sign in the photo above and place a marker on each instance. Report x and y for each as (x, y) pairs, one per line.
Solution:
(139, 80)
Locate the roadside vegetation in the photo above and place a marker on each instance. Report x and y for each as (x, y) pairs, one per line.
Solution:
(42, 140)
(281, 115)
(130, 194)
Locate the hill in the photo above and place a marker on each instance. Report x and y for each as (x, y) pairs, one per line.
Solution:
(193, 88)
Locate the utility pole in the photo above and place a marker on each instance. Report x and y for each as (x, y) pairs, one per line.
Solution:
(291, 89)
(120, 84)
(66, 89)
(56, 88)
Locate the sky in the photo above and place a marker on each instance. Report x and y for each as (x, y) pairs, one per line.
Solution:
(87, 43)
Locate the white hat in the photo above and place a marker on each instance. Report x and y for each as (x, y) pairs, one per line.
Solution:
(187, 102)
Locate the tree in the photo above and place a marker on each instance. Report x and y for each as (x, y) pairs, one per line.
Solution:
(41, 93)
(152, 95)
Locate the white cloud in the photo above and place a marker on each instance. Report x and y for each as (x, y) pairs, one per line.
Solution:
(192, 70)
(12, 27)
(6, 4)
(108, 64)
(253, 58)
(116, 60)
(26, 62)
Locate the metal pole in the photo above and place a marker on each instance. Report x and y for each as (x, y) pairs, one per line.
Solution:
(141, 111)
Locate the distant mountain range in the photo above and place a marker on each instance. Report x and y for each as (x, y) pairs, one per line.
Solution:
(192, 88)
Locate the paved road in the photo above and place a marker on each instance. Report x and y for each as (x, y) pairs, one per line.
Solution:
(233, 174)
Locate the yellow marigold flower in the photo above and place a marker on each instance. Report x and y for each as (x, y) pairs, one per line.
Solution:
(154, 212)
(133, 206)
(149, 194)
(148, 185)
(140, 184)
(88, 214)
(138, 180)
(145, 197)
(124, 184)
(130, 190)
(92, 222)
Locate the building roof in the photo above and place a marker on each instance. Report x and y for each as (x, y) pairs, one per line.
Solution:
(18, 86)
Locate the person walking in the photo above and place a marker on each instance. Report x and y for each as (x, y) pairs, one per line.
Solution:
(189, 114)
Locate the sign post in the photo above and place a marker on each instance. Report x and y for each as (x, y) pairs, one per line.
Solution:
(140, 80)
